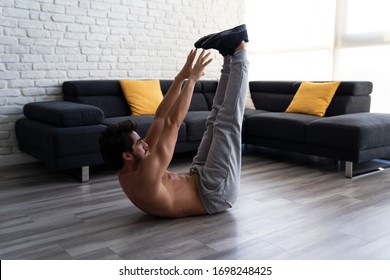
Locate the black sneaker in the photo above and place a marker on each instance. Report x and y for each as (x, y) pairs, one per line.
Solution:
(227, 41)
(198, 44)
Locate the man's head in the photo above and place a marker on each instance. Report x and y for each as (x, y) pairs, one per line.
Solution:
(116, 141)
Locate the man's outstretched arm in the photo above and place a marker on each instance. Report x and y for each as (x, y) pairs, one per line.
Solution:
(162, 153)
(180, 107)
(170, 97)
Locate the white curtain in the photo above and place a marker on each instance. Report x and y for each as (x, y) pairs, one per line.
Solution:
(321, 40)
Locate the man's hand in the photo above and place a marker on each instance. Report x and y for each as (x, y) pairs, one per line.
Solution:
(187, 68)
(198, 69)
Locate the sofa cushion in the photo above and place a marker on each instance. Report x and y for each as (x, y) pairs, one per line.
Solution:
(359, 131)
(105, 94)
(275, 96)
(350, 97)
(313, 98)
(198, 102)
(59, 141)
(196, 125)
(209, 89)
(347, 88)
(63, 114)
(203, 95)
(282, 126)
(143, 123)
(76, 140)
(143, 96)
(250, 112)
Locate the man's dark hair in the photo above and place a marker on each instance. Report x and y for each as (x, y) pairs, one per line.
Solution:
(115, 140)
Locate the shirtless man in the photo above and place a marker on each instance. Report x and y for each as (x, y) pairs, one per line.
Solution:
(213, 181)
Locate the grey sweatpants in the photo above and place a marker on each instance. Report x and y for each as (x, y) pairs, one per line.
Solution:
(217, 165)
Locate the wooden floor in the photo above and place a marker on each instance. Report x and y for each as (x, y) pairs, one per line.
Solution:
(290, 207)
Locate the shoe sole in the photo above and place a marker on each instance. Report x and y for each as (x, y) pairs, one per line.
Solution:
(210, 42)
(198, 44)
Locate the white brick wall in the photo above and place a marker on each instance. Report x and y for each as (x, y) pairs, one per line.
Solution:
(46, 42)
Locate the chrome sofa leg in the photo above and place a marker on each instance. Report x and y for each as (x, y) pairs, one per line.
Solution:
(349, 169)
(84, 174)
(366, 171)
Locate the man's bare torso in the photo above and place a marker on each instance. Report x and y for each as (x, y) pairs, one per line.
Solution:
(176, 195)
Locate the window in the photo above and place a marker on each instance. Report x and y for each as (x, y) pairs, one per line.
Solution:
(363, 49)
(321, 40)
(290, 40)
(367, 22)
(285, 25)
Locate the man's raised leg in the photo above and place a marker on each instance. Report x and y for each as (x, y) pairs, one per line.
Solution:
(219, 175)
(204, 147)
(226, 43)
(223, 163)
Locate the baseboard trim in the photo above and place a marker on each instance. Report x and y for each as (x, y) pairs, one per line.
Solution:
(8, 160)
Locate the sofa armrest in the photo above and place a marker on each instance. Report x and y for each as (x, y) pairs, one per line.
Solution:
(63, 113)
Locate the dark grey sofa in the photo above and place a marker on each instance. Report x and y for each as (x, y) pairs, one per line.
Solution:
(347, 132)
(64, 134)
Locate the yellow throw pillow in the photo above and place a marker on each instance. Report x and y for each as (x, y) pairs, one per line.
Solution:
(143, 96)
(313, 98)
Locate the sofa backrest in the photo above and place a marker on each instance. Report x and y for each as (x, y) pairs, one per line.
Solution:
(105, 94)
(108, 95)
(203, 96)
(275, 96)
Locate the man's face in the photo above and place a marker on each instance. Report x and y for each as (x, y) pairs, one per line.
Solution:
(140, 147)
